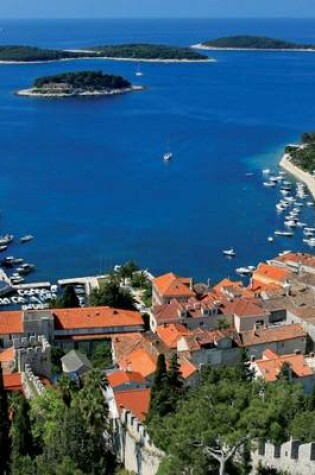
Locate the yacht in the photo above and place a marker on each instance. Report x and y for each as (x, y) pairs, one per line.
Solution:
(270, 239)
(266, 171)
(139, 73)
(269, 184)
(168, 156)
(284, 233)
(26, 238)
(7, 239)
(229, 252)
(243, 271)
(3, 248)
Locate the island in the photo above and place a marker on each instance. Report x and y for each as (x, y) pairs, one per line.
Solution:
(148, 52)
(299, 160)
(124, 52)
(257, 43)
(30, 54)
(81, 83)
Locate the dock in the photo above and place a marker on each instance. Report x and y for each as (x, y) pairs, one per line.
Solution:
(90, 283)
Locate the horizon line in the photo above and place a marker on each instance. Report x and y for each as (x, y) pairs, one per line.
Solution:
(162, 18)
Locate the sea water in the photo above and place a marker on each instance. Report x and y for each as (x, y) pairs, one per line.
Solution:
(86, 176)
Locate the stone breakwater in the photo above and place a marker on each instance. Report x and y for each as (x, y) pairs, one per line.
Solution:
(33, 92)
(301, 175)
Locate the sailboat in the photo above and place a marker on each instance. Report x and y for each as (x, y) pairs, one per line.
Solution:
(139, 73)
(168, 155)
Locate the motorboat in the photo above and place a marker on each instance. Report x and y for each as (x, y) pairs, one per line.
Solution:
(270, 239)
(6, 239)
(243, 270)
(269, 184)
(284, 233)
(229, 252)
(3, 248)
(291, 223)
(266, 171)
(26, 238)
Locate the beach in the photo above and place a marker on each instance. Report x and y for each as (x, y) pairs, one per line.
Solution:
(305, 177)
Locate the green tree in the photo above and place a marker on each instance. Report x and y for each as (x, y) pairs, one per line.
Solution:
(311, 402)
(67, 467)
(67, 388)
(20, 431)
(302, 426)
(4, 427)
(69, 298)
(112, 295)
(246, 373)
(127, 270)
(285, 372)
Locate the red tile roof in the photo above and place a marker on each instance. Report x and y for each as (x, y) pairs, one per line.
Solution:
(270, 335)
(135, 400)
(170, 285)
(11, 323)
(13, 382)
(168, 312)
(244, 308)
(7, 355)
(271, 365)
(95, 317)
(171, 333)
(275, 273)
(139, 361)
(187, 368)
(119, 378)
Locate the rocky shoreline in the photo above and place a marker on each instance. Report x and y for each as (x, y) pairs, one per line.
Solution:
(33, 92)
(216, 48)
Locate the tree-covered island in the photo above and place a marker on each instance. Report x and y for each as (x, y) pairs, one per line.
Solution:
(149, 52)
(28, 54)
(249, 42)
(137, 52)
(81, 83)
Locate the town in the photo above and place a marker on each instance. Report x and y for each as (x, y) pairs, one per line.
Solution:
(134, 323)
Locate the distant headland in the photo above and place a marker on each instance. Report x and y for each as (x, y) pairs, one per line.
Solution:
(81, 83)
(256, 43)
(124, 52)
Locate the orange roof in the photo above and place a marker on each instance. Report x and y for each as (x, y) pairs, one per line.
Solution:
(13, 382)
(270, 335)
(168, 312)
(227, 283)
(95, 317)
(271, 365)
(297, 258)
(119, 378)
(187, 369)
(123, 344)
(171, 333)
(171, 285)
(276, 273)
(11, 323)
(136, 401)
(139, 361)
(7, 355)
(244, 308)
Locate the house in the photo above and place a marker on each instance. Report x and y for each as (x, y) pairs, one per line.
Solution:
(210, 347)
(269, 368)
(77, 325)
(11, 326)
(170, 286)
(75, 364)
(271, 274)
(246, 314)
(283, 340)
(298, 261)
(171, 333)
(194, 313)
(121, 380)
(13, 382)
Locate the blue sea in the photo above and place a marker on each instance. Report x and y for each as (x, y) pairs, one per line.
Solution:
(86, 176)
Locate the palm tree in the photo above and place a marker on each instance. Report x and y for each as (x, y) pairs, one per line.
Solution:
(66, 387)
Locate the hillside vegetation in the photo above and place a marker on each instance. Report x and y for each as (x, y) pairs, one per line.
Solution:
(254, 42)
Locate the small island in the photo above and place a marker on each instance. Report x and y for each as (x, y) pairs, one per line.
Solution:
(82, 83)
(299, 160)
(256, 43)
(147, 52)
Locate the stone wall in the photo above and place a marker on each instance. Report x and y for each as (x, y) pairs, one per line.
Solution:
(35, 352)
(136, 451)
(293, 457)
(32, 385)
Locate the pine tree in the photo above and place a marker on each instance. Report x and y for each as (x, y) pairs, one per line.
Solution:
(21, 435)
(4, 427)
(70, 298)
(246, 373)
(311, 401)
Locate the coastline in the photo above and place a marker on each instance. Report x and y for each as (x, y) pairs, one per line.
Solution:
(109, 58)
(274, 50)
(114, 92)
(301, 175)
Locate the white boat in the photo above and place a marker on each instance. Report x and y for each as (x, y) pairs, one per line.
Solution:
(266, 171)
(7, 239)
(3, 248)
(291, 223)
(284, 233)
(168, 156)
(270, 239)
(243, 271)
(310, 203)
(269, 184)
(139, 73)
(229, 252)
(26, 238)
